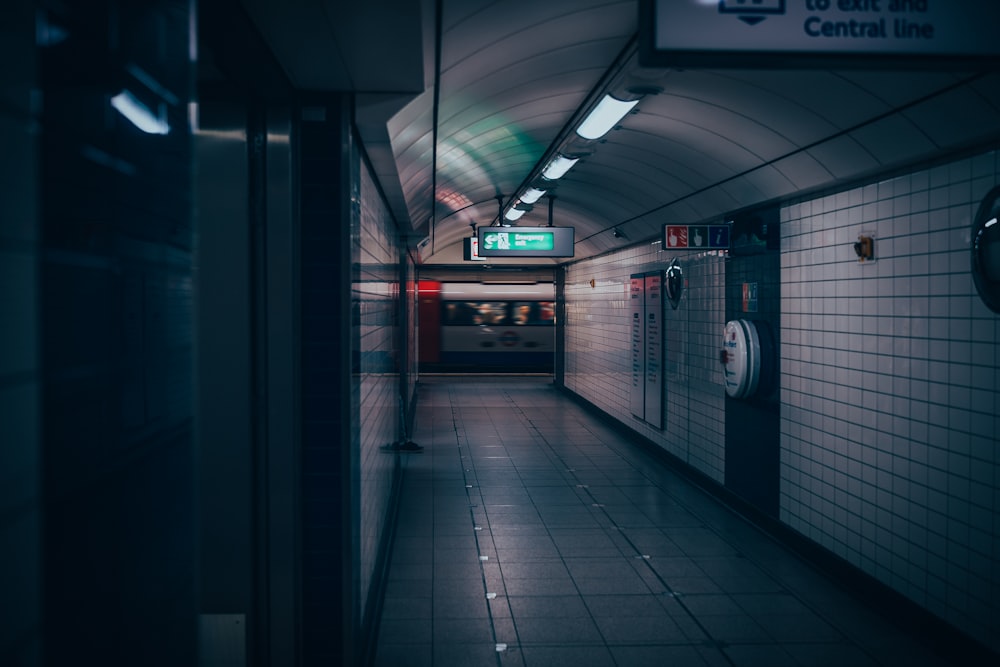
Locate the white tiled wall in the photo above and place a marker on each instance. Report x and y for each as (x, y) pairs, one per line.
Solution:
(376, 380)
(598, 350)
(890, 382)
(890, 390)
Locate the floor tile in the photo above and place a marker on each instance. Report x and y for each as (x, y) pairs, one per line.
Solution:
(550, 630)
(465, 654)
(404, 655)
(624, 605)
(405, 631)
(590, 552)
(733, 628)
(462, 606)
(618, 630)
(406, 607)
(462, 631)
(659, 656)
(621, 585)
(759, 655)
(534, 587)
(568, 656)
(549, 606)
(829, 655)
(711, 605)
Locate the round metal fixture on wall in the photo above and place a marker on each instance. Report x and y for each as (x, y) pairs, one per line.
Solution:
(675, 283)
(742, 358)
(986, 250)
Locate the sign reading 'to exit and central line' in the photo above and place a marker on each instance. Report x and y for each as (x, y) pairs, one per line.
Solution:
(820, 34)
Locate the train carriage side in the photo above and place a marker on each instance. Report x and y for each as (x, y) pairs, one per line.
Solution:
(488, 328)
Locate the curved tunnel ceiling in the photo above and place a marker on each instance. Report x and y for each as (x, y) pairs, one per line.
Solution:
(511, 76)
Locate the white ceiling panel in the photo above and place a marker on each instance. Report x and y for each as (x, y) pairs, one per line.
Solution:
(955, 118)
(742, 192)
(770, 181)
(894, 140)
(829, 96)
(516, 75)
(804, 171)
(844, 157)
(897, 89)
(716, 130)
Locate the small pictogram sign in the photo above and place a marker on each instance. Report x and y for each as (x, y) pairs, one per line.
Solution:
(696, 237)
(677, 236)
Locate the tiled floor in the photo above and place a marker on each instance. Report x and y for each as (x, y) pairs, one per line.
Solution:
(531, 533)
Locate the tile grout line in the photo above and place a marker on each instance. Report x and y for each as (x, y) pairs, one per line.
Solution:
(479, 550)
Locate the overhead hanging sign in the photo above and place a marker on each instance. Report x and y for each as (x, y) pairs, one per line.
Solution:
(784, 34)
(525, 241)
(470, 249)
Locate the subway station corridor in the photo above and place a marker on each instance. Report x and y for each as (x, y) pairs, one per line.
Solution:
(724, 291)
(532, 533)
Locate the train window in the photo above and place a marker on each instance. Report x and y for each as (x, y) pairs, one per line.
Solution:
(548, 311)
(533, 313)
(492, 313)
(498, 313)
(471, 313)
(521, 312)
(458, 313)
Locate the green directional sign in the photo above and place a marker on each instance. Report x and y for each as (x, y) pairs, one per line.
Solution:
(525, 241)
(514, 240)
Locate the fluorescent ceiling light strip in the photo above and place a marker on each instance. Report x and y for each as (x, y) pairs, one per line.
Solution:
(558, 167)
(531, 195)
(604, 117)
(139, 114)
(513, 214)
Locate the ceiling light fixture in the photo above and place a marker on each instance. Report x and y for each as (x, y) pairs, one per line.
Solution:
(531, 195)
(572, 145)
(128, 105)
(513, 214)
(558, 167)
(604, 117)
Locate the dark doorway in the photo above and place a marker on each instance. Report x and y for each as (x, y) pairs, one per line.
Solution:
(753, 282)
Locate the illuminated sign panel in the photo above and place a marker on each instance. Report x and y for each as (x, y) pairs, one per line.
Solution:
(515, 240)
(525, 241)
(898, 34)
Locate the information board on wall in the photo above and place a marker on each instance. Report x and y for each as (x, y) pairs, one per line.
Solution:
(645, 319)
(654, 349)
(637, 308)
(905, 34)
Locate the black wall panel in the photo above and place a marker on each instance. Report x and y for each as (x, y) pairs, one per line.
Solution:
(325, 384)
(117, 280)
(752, 424)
